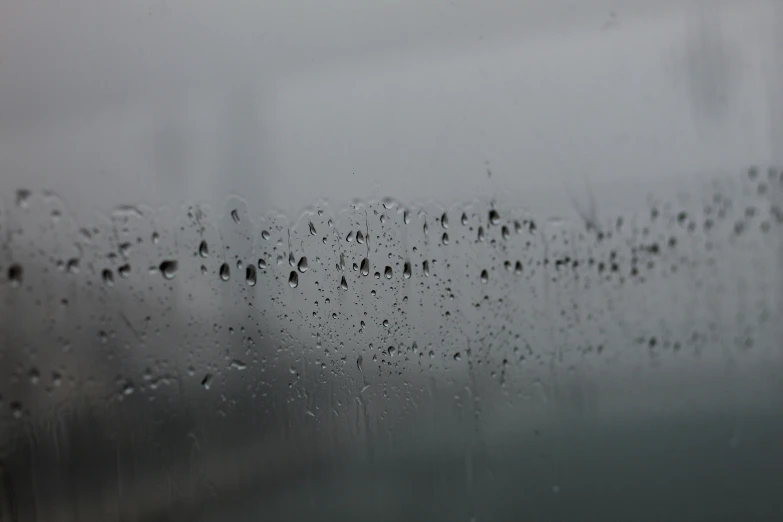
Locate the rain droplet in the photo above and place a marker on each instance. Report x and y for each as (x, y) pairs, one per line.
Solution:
(383, 218)
(406, 217)
(16, 410)
(504, 232)
(22, 198)
(426, 267)
(107, 276)
(457, 356)
(494, 217)
(349, 237)
(312, 229)
(291, 259)
(262, 263)
(425, 228)
(445, 238)
(293, 279)
(302, 265)
(518, 267)
(481, 234)
(15, 274)
(390, 351)
(388, 272)
(365, 267)
(250, 275)
(225, 272)
(406, 270)
(484, 276)
(355, 267)
(359, 363)
(360, 237)
(343, 283)
(265, 235)
(124, 270)
(72, 266)
(385, 323)
(57, 379)
(203, 249)
(464, 219)
(239, 264)
(444, 220)
(235, 216)
(206, 382)
(155, 237)
(517, 227)
(377, 275)
(372, 292)
(35, 376)
(507, 265)
(169, 268)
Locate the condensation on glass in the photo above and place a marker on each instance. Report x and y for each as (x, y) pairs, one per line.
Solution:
(207, 365)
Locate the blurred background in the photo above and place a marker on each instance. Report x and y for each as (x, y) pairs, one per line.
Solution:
(391, 260)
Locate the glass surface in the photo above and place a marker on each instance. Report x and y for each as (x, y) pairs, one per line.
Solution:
(475, 261)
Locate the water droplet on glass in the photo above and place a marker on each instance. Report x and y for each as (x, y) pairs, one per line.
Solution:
(107, 276)
(464, 219)
(444, 220)
(360, 237)
(484, 276)
(155, 237)
(426, 229)
(517, 227)
(235, 216)
(302, 264)
(445, 238)
(494, 217)
(293, 279)
(169, 268)
(359, 363)
(124, 270)
(390, 351)
(349, 237)
(365, 267)
(57, 379)
(385, 323)
(239, 264)
(377, 275)
(426, 267)
(518, 267)
(72, 266)
(35, 376)
(22, 198)
(250, 275)
(507, 265)
(383, 218)
(406, 270)
(225, 272)
(312, 229)
(16, 410)
(406, 217)
(203, 249)
(343, 283)
(15, 274)
(262, 264)
(265, 235)
(457, 356)
(388, 272)
(504, 232)
(372, 292)
(481, 234)
(206, 382)
(291, 259)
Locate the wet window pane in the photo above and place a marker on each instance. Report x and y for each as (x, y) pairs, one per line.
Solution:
(272, 263)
